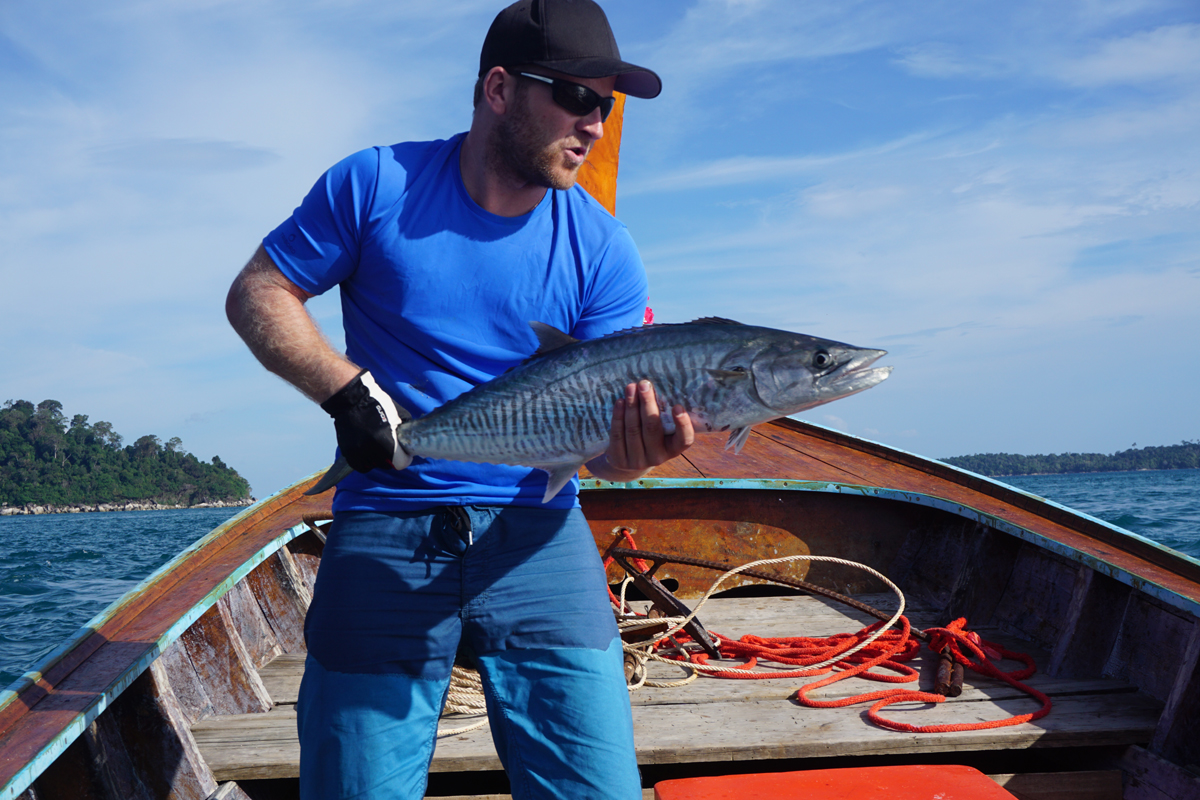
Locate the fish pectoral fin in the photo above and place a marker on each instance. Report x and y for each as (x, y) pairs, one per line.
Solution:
(725, 377)
(737, 438)
(550, 338)
(558, 477)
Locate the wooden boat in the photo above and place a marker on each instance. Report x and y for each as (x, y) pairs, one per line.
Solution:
(183, 688)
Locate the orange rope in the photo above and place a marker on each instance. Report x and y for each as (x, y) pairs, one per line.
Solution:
(888, 652)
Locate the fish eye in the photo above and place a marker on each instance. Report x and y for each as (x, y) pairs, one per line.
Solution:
(822, 359)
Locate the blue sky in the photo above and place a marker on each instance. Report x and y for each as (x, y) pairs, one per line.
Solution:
(1006, 196)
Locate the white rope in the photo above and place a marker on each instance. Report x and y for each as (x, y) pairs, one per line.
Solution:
(464, 697)
(642, 652)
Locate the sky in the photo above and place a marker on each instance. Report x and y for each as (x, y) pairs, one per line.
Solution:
(1005, 196)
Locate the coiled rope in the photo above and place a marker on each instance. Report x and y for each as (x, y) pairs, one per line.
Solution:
(839, 657)
(464, 697)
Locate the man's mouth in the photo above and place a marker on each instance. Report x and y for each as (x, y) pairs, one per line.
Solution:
(577, 155)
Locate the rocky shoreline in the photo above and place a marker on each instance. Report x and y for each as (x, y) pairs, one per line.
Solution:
(133, 505)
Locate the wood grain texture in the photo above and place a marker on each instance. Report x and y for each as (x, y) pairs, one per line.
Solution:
(1036, 601)
(251, 625)
(720, 720)
(283, 597)
(1178, 733)
(1091, 631)
(1150, 777)
(223, 666)
(1088, 785)
(306, 550)
(1151, 646)
(32, 718)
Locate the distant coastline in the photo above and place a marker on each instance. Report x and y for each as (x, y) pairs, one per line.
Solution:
(50, 464)
(132, 505)
(1185, 455)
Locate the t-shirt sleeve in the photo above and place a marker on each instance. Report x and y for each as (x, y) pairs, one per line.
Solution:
(616, 297)
(318, 246)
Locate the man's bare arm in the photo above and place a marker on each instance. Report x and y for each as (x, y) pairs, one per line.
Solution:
(267, 310)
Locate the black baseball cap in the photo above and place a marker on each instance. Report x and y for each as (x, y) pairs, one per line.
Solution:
(570, 36)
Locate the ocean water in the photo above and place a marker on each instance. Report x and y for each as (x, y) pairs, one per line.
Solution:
(58, 571)
(1161, 505)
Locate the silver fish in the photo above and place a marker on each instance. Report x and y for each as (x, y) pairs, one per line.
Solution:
(554, 411)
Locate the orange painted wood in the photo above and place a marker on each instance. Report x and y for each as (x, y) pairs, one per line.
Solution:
(912, 782)
(791, 450)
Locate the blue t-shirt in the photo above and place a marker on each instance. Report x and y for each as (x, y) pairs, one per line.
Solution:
(437, 296)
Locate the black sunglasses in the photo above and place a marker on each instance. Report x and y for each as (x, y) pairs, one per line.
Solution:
(574, 97)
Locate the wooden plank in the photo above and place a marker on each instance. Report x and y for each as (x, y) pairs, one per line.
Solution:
(228, 791)
(256, 746)
(1097, 603)
(1088, 785)
(282, 677)
(782, 616)
(306, 551)
(33, 718)
(1149, 777)
(223, 666)
(72, 775)
(283, 597)
(1038, 596)
(714, 719)
(1178, 734)
(252, 626)
(1151, 646)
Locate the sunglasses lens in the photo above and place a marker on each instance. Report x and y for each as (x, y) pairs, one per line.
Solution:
(580, 100)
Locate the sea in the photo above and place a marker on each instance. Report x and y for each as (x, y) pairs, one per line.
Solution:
(57, 571)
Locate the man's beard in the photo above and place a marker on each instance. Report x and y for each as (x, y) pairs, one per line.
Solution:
(517, 147)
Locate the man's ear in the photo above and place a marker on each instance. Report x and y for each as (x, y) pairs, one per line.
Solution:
(498, 90)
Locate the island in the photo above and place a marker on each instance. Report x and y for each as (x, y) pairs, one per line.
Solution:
(1185, 455)
(50, 465)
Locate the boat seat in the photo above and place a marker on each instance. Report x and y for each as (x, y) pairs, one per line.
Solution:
(714, 721)
(908, 782)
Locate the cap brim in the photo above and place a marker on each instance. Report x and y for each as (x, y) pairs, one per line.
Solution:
(631, 79)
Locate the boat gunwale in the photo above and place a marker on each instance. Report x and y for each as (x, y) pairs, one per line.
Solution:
(68, 733)
(1029, 503)
(1139, 582)
(1183, 565)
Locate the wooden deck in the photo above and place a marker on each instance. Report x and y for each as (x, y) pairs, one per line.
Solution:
(714, 720)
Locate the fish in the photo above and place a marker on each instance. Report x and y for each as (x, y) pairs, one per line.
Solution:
(554, 410)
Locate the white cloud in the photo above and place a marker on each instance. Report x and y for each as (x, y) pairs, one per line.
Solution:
(1171, 52)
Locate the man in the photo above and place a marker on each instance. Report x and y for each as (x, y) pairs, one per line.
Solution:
(443, 252)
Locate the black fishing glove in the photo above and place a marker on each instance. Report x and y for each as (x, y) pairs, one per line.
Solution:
(366, 419)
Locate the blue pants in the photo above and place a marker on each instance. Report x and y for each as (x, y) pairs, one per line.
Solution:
(522, 590)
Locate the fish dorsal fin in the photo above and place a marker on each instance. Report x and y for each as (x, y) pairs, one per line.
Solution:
(550, 338)
(713, 321)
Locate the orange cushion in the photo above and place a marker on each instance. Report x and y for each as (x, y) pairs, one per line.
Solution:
(949, 782)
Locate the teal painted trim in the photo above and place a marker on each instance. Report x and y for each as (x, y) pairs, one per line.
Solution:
(53, 749)
(968, 512)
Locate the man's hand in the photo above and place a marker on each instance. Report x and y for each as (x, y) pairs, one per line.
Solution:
(637, 440)
(366, 418)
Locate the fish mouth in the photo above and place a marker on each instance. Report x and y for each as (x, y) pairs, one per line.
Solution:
(854, 376)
